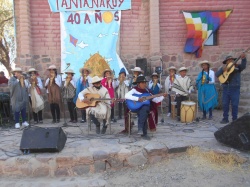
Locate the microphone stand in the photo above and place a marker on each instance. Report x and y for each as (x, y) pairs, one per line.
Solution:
(64, 115)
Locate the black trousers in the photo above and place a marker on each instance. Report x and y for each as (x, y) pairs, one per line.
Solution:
(37, 116)
(112, 113)
(179, 99)
(72, 109)
(121, 107)
(84, 115)
(55, 111)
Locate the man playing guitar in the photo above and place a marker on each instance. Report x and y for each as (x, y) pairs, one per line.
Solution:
(102, 111)
(231, 88)
(144, 110)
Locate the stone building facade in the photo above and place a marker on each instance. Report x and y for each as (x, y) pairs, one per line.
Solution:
(152, 29)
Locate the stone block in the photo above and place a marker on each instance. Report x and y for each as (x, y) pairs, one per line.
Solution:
(154, 148)
(41, 172)
(100, 166)
(100, 155)
(61, 172)
(114, 163)
(178, 149)
(63, 161)
(81, 169)
(26, 170)
(124, 153)
(137, 159)
(97, 183)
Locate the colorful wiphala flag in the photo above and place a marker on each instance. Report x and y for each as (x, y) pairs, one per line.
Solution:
(200, 26)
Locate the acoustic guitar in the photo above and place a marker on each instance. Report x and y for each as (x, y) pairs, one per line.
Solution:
(134, 105)
(230, 68)
(93, 98)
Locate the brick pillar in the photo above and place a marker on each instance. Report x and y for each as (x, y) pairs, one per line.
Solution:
(23, 32)
(154, 26)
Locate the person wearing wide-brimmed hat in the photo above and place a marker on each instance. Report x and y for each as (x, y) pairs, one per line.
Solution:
(53, 85)
(168, 85)
(18, 96)
(137, 71)
(182, 87)
(109, 83)
(154, 84)
(36, 99)
(83, 82)
(207, 94)
(145, 112)
(231, 87)
(100, 114)
(69, 92)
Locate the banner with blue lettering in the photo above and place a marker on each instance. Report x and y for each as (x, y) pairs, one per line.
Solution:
(77, 5)
(88, 39)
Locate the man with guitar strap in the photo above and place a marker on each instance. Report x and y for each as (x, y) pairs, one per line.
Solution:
(139, 94)
(231, 86)
(102, 111)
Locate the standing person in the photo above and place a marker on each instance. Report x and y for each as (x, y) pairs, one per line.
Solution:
(168, 85)
(183, 87)
(231, 88)
(102, 111)
(53, 85)
(36, 99)
(83, 82)
(18, 96)
(109, 83)
(121, 90)
(154, 85)
(144, 110)
(69, 94)
(3, 79)
(207, 94)
(137, 71)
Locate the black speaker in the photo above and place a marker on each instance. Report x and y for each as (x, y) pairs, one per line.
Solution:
(39, 139)
(236, 134)
(142, 63)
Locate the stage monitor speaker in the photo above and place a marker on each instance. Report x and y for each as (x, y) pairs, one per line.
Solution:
(43, 139)
(236, 134)
(142, 63)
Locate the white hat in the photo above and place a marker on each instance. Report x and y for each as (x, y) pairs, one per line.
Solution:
(95, 79)
(81, 69)
(32, 69)
(183, 69)
(103, 73)
(137, 69)
(154, 74)
(17, 69)
(172, 67)
(69, 71)
(205, 62)
(51, 67)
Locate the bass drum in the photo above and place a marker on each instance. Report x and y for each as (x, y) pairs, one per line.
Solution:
(188, 109)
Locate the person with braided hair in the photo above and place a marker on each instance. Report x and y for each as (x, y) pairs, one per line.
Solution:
(207, 94)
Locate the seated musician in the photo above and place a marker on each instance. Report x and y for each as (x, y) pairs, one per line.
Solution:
(144, 110)
(183, 87)
(102, 111)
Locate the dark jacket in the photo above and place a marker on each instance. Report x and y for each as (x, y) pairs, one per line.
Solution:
(234, 78)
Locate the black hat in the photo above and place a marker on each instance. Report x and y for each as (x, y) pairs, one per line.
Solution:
(140, 79)
(227, 58)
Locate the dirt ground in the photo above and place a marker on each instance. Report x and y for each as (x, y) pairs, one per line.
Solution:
(181, 171)
(185, 170)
